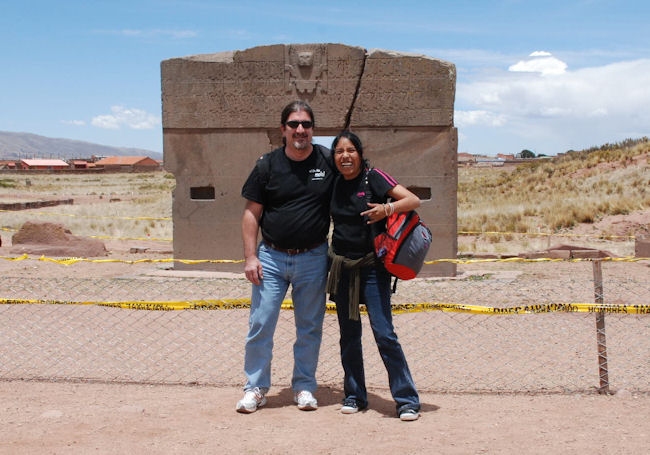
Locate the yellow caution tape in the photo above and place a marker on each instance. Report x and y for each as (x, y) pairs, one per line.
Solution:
(526, 309)
(146, 218)
(236, 304)
(518, 259)
(130, 238)
(604, 237)
(144, 305)
(549, 234)
(150, 218)
(74, 260)
(105, 237)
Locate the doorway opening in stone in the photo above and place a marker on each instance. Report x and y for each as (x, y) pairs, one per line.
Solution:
(325, 141)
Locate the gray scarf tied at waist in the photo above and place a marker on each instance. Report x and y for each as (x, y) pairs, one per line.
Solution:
(354, 266)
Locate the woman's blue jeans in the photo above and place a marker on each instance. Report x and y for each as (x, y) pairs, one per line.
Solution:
(307, 274)
(375, 289)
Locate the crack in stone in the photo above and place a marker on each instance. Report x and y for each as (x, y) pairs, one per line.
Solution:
(348, 117)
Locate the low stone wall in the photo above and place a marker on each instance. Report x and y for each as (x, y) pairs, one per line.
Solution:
(35, 204)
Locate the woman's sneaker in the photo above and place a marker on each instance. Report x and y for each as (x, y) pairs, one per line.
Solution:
(350, 406)
(409, 414)
(253, 399)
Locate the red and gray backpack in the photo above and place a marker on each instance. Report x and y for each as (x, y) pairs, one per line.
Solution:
(403, 246)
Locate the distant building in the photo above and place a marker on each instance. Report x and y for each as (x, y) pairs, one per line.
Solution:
(81, 164)
(128, 163)
(38, 164)
(490, 162)
(505, 157)
(7, 164)
(465, 158)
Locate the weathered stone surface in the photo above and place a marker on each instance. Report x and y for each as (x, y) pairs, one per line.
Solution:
(567, 252)
(400, 89)
(54, 240)
(642, 246)
(222, 111)
(247, 89)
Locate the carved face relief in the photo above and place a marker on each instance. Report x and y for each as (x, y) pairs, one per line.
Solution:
(305, 58)
(305, 68)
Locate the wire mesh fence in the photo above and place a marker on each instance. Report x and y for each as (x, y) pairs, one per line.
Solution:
(532, 339)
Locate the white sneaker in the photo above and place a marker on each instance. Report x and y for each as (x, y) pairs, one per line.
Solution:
(306, 401)
(409, 415)
(253, 399)
(350, 406)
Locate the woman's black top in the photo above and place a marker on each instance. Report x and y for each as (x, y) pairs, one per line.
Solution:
(352, 235)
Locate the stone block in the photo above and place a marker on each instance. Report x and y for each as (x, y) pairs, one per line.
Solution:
(642, 246)
(248, 89)
(559, 254)
(400, 89)
(587, 254)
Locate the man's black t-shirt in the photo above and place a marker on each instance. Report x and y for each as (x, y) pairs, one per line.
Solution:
(295, 196)
(352, 235)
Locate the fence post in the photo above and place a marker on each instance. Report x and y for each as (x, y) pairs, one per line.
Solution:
(601, 339)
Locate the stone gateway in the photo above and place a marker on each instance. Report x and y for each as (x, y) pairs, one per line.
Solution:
(220, 113)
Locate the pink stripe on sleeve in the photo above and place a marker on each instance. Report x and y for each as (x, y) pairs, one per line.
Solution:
(388, 178)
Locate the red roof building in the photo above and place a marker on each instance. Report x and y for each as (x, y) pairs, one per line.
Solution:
(128, 163)
(7, 164)
(49, 165)
(81, 164)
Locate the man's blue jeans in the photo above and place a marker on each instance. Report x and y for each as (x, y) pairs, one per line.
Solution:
(307, 274)
(375, 289)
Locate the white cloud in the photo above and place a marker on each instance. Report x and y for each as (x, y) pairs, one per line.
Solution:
(136, 119)
(589, 106)
(73, 122)
(479, 117)
(179, 34)
(618, 89)
(542, 62)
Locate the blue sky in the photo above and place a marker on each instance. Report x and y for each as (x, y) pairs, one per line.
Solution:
(548, 76)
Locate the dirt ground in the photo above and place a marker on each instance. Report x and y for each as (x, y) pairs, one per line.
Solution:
(58, 418)
(64, 417)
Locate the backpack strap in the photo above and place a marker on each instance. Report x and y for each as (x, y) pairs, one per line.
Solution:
(374, 229)
(264, 168)
(264, 162)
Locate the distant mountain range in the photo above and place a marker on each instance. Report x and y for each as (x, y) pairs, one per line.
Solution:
(15, 146)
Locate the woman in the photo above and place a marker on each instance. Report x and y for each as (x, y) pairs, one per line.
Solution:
(359, 200)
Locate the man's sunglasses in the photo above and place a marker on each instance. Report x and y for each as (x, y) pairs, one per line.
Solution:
(293, 124)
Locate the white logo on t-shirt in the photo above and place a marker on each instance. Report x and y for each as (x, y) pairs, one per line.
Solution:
(317, 174)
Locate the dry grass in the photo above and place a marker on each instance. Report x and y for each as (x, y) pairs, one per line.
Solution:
(554, 195)
(145, 195)
(543, 196)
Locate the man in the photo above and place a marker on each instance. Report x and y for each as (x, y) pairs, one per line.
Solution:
(287, 196)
